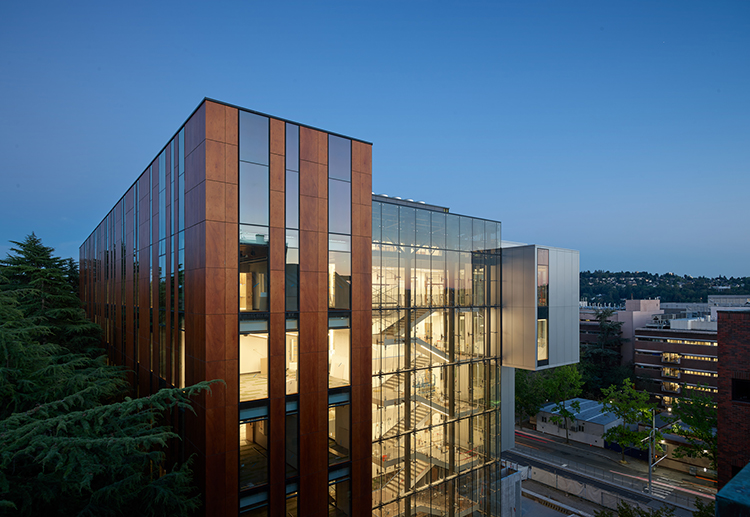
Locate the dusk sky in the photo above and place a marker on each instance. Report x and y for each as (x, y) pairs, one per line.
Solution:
(620, 129)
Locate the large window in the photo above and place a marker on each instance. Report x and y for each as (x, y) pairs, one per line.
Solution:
(253, 360)
(254, 437)
(254, 276)
(339, 348)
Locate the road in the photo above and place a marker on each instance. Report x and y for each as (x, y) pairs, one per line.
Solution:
(554, 449)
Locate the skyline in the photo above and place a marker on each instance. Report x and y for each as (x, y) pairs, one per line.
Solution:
(628, 123)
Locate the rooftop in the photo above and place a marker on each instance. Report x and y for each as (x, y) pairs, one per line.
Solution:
(591, 411)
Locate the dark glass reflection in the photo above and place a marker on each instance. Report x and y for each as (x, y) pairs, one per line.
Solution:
(339, 206)
(292, 199)
(339, 158)
(253, 277)
(253, 138)
(292, 147)
(408, 225)
(253, 194)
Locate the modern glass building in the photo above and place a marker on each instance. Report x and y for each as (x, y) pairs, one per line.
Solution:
(362, 338)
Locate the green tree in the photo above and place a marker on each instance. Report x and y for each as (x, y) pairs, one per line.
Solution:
(46, 288)
(632, 406)
(71, 443)
(530, 393)
(625, 510)
(562, 384)
(600, 361)
(695, 418)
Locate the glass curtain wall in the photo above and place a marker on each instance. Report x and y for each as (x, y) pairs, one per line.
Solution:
(435, 362)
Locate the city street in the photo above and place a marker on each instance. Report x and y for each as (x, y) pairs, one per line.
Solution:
(665, 481)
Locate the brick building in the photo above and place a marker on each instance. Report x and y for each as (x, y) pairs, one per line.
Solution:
(734, 393)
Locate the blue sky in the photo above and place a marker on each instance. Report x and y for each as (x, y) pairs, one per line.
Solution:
(621, 129)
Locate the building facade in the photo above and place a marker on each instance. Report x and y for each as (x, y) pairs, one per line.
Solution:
(734, 394)
(360, 337)
(669, 360)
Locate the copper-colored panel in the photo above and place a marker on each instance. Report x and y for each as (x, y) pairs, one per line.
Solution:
(356, 191)
(323, 216)
(231, 164)
(215, 122)
(323, 148)
(313, 372)
(215, 243)
(231, 203)
(278, 249)
(361, 254)
(308, 251)
(195, 291)
(308, 214)
(232, 127)
(215, 295)
(276, 171)
(308, 144)
(323, 181)
(357, 216)
(278, 301)
(313, 491)
(277, 331)
(323, 296)
(361, 157)
(195, 167)
(309, 293)
(232, 246)
(215, 490)
(231, 323)
(277, 130)
(217, 397)
(361, 290)
(195, 205)
(309, 329)
(231, 291)
(195, 129)
(215, 161)
(309, 179)
(365, 194)
(278, 209)
(277, 375)
(215, 337)
(232, 378)
(362, 483)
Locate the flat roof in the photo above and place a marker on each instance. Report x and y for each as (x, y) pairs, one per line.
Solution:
(591, 411)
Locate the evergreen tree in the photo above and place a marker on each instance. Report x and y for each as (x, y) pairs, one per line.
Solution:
(695, 418)
(530, 393)
(564, 383)
(46, 289)
(600, 361)
(71, 443)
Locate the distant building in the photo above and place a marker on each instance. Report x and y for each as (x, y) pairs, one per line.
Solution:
(734, 397)
(637, 313)
(589, 426)
(681, 354)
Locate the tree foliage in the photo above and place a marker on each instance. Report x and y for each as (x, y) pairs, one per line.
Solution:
(695, 417)
(531, 393)
(632, 406)
(71, 442)
(564, 383)
(601, 361)
(626, 510)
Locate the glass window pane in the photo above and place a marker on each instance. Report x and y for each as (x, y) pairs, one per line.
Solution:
(253, 454)
(253, 366)
(292, 199)
(339, 206)
(339, 279)
(478, 226)
(423, 228)
(253, 138)
(338, 242)
(438, 230)
(253, 194)
(292, 362)
(465, 235)
(376, 208)
(390, 223)
(542, 340)
(292, 444)
(253, 268)
(292, 147)
(452, 227)
(338, 433)
(339, 158)
(407, 217)
(339, 346)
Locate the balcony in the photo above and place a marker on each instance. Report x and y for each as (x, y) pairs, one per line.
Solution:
(670, 357)
(672, 373)
(670, 387)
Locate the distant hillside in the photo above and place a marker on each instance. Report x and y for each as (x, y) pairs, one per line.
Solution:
(606, 287)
